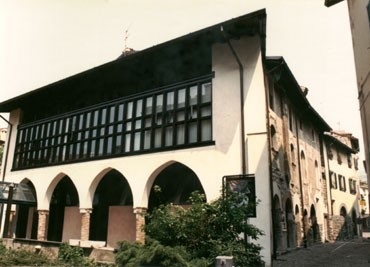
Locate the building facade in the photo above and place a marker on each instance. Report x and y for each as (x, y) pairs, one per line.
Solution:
(307, 206)
(181, 115)
(359, 15)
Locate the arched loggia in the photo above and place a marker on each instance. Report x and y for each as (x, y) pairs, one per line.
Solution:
(112, 217)
(174, 184)
(64, 199)
(27, 218)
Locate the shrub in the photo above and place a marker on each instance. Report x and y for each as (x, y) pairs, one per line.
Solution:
(207, 230)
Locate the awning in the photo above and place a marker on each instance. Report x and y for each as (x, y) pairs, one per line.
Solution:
(22, 193)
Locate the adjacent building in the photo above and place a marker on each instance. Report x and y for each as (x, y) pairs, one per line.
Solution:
(180, 115)
(359, 15)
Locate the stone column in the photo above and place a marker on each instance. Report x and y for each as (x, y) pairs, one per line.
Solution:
(85, 223)
(140, 222)
(42, 229)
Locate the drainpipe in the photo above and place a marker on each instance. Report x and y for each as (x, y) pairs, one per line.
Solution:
(7, 147)
(301, 185)
(242, 123)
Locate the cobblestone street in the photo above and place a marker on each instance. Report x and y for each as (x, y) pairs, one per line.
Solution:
(352, 253)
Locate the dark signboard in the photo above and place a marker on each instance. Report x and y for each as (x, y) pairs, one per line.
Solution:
(245, 184)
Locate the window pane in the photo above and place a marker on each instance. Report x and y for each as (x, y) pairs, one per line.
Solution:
(111, 114)
(96, 116)
(169, 136)
(158, 138)
(206, 111)
(104, 116)
(128, 126)
(110, 129)
(137, 141)
(118, 144)
(139, 108)
(206, 92)
(120, 112)
(181, 98)
(159, 103)
(92, 149)
(101, 146)
(192, 132)
(148, 122)
(109, 145)
(81, 122)
(193, 95)
(88, 117)
(170, 100)
(127, 142)
(149, 105)
(119, 128)
(206, 130)
(137, 124)
(129, 110)
(180, 134)
(147, 139)
(180, 115)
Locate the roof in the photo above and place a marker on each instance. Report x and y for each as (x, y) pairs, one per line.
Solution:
(279, 69)
(337, 142)
(106, 74)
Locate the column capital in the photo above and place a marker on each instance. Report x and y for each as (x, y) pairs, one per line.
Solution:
(85, 210)
(138, 210)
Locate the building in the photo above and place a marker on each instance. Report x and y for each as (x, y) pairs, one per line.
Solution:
(180, 115)
(359, 15)
(343, 185)
(306, 208)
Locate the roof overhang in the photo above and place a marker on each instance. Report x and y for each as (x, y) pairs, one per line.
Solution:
(282, 75)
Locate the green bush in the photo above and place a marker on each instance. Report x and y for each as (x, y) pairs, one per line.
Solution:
(196, 236)
(19, 257)
(155, 254)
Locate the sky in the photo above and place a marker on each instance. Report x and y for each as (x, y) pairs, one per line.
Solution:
(43, 41)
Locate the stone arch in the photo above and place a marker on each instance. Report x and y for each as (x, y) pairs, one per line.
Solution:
(276, 223)
(290, 221)
(343, 211)
(64, 212)
(94, 185)
(314, 227)
(112, 218)
(176, 181)
(27, 217)
(354, 221)
(150, 182)
(50, 189)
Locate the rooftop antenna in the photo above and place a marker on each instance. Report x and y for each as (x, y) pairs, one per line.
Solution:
(126, 48)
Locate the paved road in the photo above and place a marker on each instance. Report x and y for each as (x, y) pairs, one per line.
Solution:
(353, 253)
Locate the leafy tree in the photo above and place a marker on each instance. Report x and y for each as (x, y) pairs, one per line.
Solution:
(200, 232)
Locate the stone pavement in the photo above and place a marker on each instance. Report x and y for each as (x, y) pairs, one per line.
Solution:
(351, 253)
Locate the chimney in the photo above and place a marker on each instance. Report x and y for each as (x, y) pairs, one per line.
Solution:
(304, 90)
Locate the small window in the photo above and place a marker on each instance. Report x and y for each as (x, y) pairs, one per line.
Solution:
(333, 180)
(342, 183)
(349, 161)
(339, 158)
